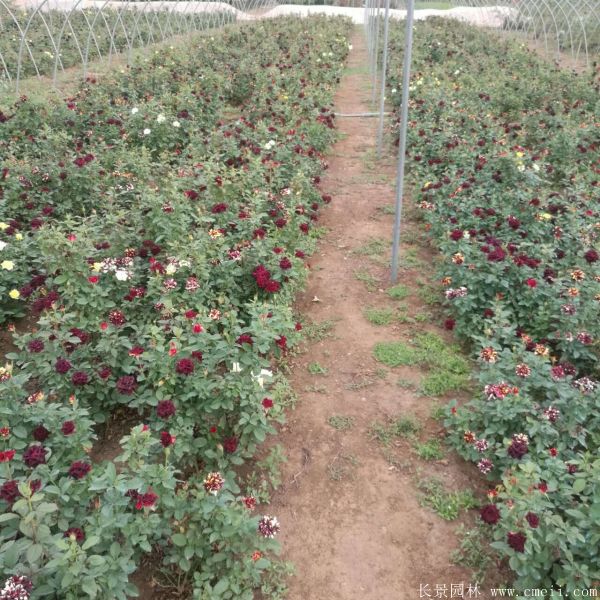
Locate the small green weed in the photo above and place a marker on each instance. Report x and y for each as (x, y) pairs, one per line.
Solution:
(367, 278)
(379, 316)
(318, 331)
(399, 292)
(341, 422)
(430, 450)
(438, 412)
(474, 551)
(394, 354)
(315, 368)
(447, 505)
(341, 467)
(387, 209)
(402, 427)
(316, 389)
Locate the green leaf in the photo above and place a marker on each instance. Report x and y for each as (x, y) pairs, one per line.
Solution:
(8, 517)
(91, 541)
(89, 587)
(179, 539)
(222, 586)
(33, 553)
(579, 485)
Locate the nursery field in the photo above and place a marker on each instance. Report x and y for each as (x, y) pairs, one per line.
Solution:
(208, 382)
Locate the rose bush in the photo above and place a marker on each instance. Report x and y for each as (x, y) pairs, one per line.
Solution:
(168, 239)
(504, 153)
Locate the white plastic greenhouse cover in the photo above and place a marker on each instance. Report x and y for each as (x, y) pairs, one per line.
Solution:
(35, 35)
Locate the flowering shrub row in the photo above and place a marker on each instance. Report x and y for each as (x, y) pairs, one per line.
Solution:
(166, 213)
(505, 151)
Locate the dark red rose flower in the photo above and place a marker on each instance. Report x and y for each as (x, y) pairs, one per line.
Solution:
(191, 314)
(165, 409)
(487, 313)
(490, 514)
(40, 433)
(518, 449)
(496, 255)
(304, 227)
(104, 372)
(166, 439)
(516, 540)
(9, 491)
(267, 403)
(197, 356)
(285, 263)
(513, 222)
(532, 519)
(191, 194)
(116, 317)
(449, 324)
(146, 500)
(298, 326)
(34, 456)
(68, 427)
(230, 444)
(456, 234)
(126, 385)
(218, 208)
(35, 345)
(245, 338)
(80, 378)
(259, 233)
(84, 336)
(531, 282)
(79, 469)
(299, 254)
(35, 485)
(281, 341)
(184, 366)
(571, 469)
(591, 256)
(76, 533)
(62, 366)
(272, 286)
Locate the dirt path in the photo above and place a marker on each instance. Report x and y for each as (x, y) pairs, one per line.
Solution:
(351, 519)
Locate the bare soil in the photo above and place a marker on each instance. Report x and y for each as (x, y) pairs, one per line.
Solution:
(351, 518)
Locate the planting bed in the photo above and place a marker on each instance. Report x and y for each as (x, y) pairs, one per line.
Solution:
(155, 224)
(504, 153)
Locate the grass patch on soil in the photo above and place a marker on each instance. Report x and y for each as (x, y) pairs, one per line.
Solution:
(447, 369)
(447, 505)
(399, 292)
(341, 422)
(367, 278)
(379, 316)
(430, 450)
(316, 368)
(401, 427)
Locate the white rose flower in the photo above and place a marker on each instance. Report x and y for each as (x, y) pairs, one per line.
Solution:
(3, 245)
(135, 111)
(171, 269)
(161, 119)
(147, 131)
(176, 124)
(122, 275)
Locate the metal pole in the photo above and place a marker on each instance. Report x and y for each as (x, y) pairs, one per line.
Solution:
(375, 57)
(386, 27)
(410, 15)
